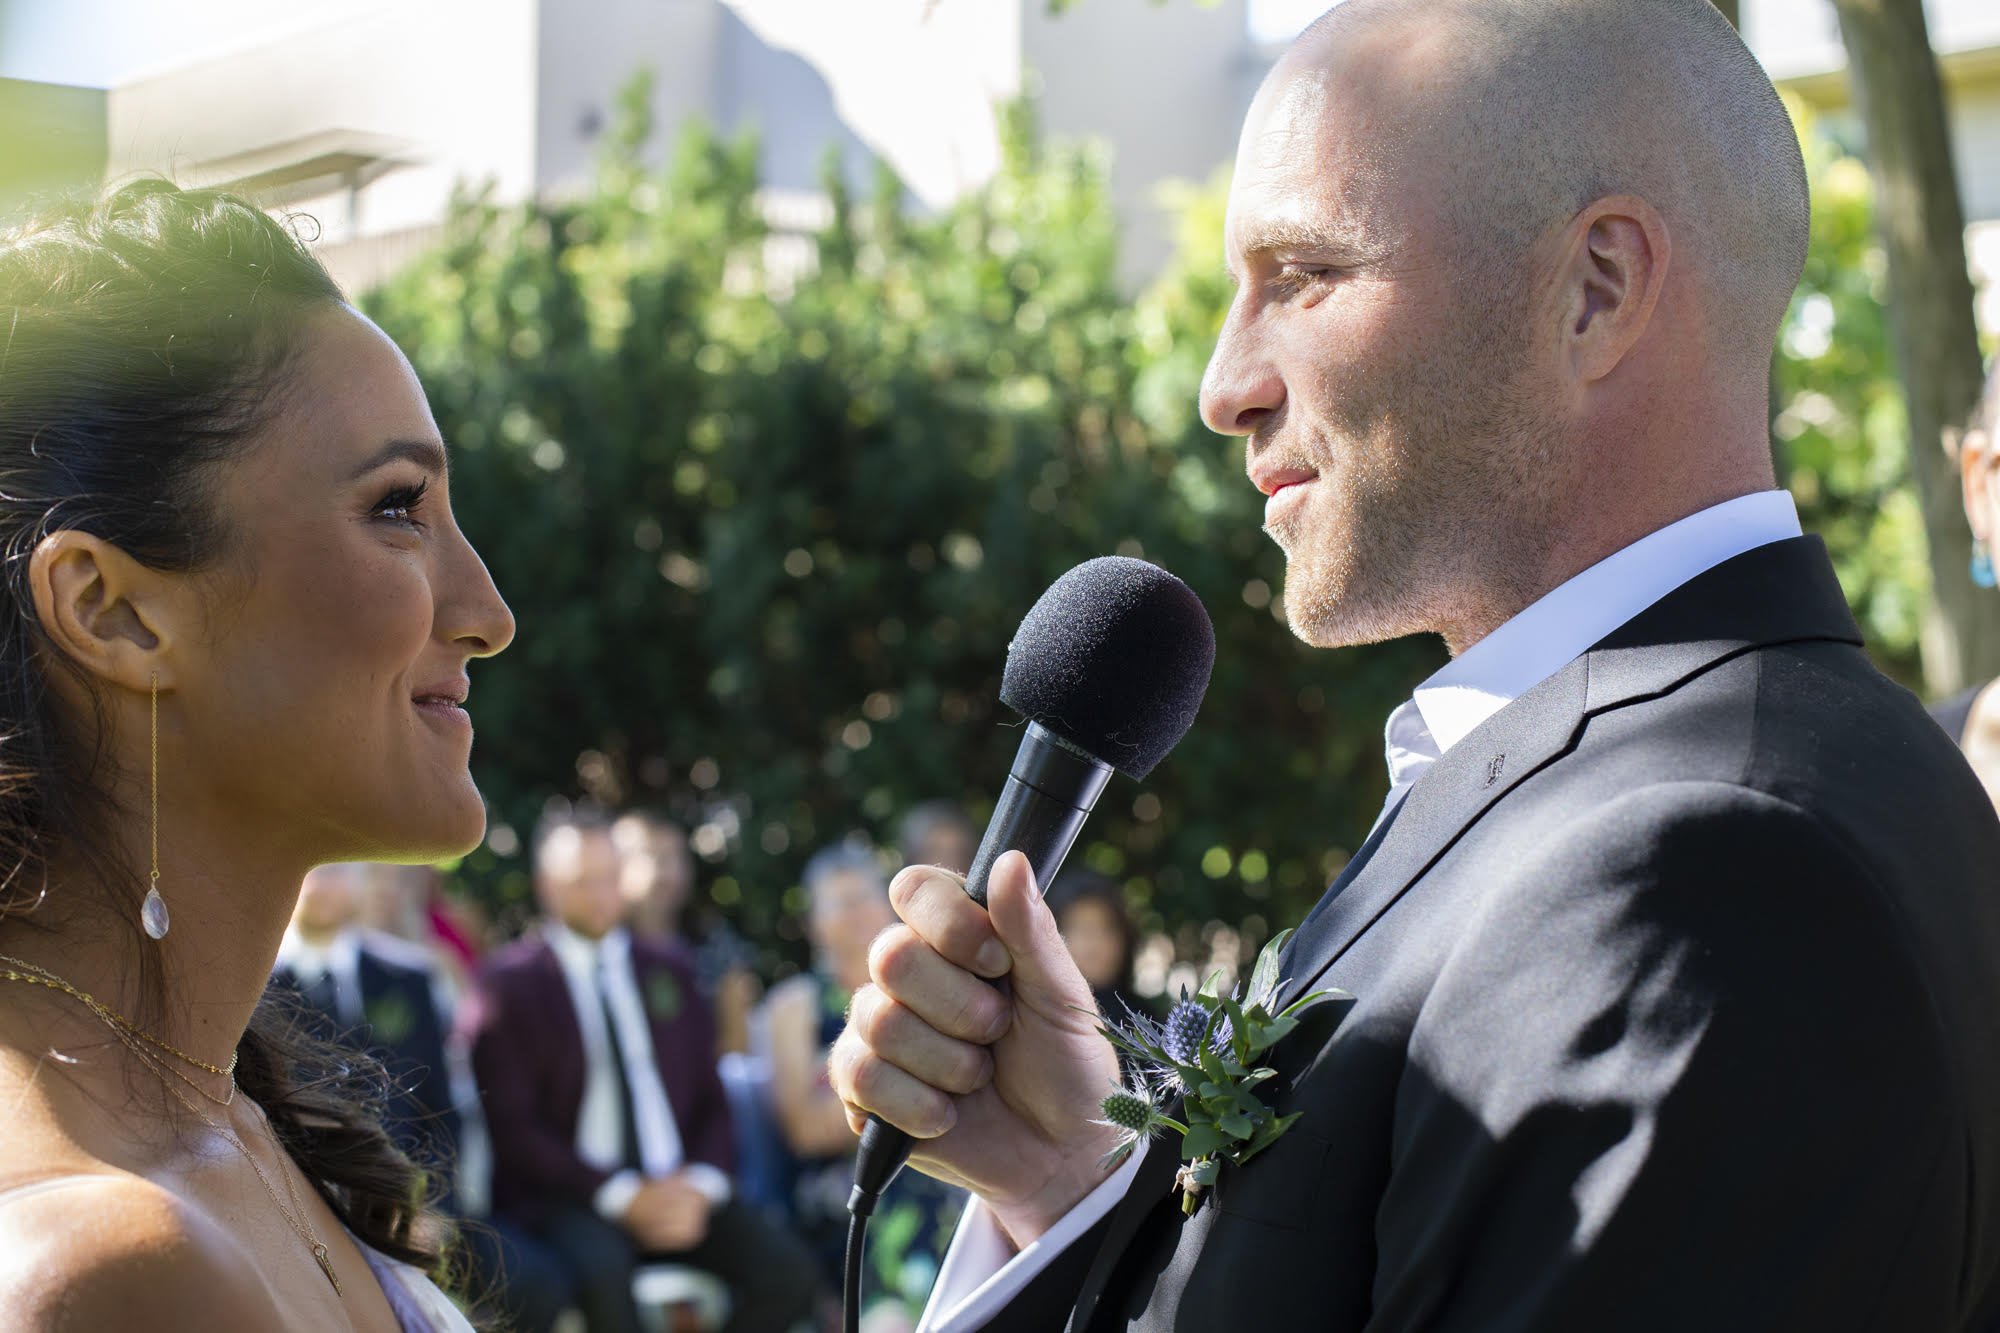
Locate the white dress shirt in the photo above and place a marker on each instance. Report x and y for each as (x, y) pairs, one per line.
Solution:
(600, 1121)
(338, 958)
(981, 1272)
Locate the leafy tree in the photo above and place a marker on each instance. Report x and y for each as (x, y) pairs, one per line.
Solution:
(1840, 424)
(768, 510)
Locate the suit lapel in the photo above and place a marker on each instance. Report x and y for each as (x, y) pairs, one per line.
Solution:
(1779, 593)
(1147, 1192)
(1514, 743)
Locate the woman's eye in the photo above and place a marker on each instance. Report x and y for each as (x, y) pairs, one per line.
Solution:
(402, 504)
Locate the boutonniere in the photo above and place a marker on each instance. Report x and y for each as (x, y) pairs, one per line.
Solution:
(1206, 1054)
(663, 997)
(389, 1018)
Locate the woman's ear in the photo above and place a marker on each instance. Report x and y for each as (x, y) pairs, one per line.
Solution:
(104, 610)
(1612, 270)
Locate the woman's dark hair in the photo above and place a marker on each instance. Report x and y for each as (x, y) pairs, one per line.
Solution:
(1075, 884)
(145, 336)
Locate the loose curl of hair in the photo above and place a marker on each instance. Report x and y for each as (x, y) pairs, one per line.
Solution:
(145, 336)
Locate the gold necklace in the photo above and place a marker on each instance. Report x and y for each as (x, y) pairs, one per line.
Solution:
(18, 969)
(295, 1216)
(137, 1040)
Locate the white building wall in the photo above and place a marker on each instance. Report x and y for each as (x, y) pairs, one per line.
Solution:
(1164, 85)
(408, 99)
(588, 52)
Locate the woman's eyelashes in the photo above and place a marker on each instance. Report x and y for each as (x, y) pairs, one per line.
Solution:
(403, 505)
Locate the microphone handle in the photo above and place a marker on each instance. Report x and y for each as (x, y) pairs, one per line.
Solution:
(1049, 793)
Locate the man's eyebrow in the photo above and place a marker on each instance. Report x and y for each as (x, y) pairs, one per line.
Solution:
(1290, 235)
(426, 454)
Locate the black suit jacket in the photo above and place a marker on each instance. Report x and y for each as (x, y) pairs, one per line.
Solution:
(402, 1027)
(1676, 1006)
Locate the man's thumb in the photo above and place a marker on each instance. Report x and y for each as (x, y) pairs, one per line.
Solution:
(1026, 926)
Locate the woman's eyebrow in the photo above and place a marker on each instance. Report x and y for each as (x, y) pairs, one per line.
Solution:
(427, 454)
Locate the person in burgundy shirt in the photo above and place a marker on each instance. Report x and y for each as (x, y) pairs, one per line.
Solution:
(595, 1056)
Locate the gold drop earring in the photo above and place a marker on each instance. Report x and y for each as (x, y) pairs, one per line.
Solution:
(153, 912)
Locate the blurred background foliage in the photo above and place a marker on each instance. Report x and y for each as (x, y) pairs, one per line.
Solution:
(769, 507)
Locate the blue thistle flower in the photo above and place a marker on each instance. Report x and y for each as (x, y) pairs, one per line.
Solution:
(1180, 1036)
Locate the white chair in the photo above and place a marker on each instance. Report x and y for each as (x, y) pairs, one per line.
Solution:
(673, 1298)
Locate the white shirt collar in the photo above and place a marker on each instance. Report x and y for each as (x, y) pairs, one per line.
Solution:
(310, 961)
(579, 953)
(1554, 631)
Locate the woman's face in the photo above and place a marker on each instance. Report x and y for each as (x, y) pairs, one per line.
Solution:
(1095, 942)
(327, 694)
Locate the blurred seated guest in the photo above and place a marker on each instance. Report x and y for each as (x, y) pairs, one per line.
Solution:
(1090, 911)
(1973, 717)
(656, 873)
(385, 995)
(399, 901)
(849, 899)
(595, 1055)
(380, 993)
(937, 833)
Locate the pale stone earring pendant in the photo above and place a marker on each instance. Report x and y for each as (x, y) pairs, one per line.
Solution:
(153, 914)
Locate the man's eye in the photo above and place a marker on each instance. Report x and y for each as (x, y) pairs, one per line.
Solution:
(1299, 277)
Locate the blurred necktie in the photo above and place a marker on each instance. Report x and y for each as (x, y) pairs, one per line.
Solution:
(628, 1118)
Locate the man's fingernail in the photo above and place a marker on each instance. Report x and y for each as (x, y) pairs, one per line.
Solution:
(993, 957)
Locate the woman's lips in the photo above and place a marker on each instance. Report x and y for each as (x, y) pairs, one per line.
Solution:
(447, 711)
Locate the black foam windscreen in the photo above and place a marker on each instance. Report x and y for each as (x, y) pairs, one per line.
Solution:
(1113, 658)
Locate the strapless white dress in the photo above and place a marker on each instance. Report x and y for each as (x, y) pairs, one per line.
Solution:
(419, 1306)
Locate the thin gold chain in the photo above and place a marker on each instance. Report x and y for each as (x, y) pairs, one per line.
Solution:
(136, 1041)
(18, 969)
(154, 884)
(295, 1216)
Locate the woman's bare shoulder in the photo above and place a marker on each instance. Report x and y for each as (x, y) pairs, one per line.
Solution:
(113, 1250)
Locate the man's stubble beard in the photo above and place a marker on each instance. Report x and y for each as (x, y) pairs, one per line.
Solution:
(1437, 486)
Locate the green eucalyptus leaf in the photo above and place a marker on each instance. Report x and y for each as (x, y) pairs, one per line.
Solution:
(1201, 1140)
(1206, 1172)
(1237, 1125)
(1264, 977)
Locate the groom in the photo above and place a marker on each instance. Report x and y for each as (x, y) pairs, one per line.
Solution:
(1675, 955)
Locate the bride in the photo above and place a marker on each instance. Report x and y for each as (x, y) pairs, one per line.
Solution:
(233, 645)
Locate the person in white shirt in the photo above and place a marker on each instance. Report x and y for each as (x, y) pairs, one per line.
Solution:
(595, 1056)
(1672, 966)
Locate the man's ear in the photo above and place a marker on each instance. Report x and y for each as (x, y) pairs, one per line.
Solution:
(102, 609)
(1612, 269)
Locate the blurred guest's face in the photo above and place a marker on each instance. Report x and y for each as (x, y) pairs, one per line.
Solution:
(328, 700)
(577, 878)
(849, 909)
(946, 845)
(657, 872)
(329, 899)
(1369, 374)
(1091, 930)
(1977, 457)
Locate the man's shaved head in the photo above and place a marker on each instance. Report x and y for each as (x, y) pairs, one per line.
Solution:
(1508, 277)
(1545, 105)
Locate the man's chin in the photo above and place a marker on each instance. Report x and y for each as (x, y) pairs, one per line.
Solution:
(1325, 614)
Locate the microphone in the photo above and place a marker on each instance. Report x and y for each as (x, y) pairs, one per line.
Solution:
(1108, 668)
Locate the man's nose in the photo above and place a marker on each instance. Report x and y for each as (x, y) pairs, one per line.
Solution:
(1241, 386)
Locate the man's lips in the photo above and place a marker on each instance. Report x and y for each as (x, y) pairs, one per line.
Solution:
(1273, 480)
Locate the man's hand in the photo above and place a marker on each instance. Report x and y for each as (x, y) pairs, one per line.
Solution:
(998, 1087)
(667, 1215)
